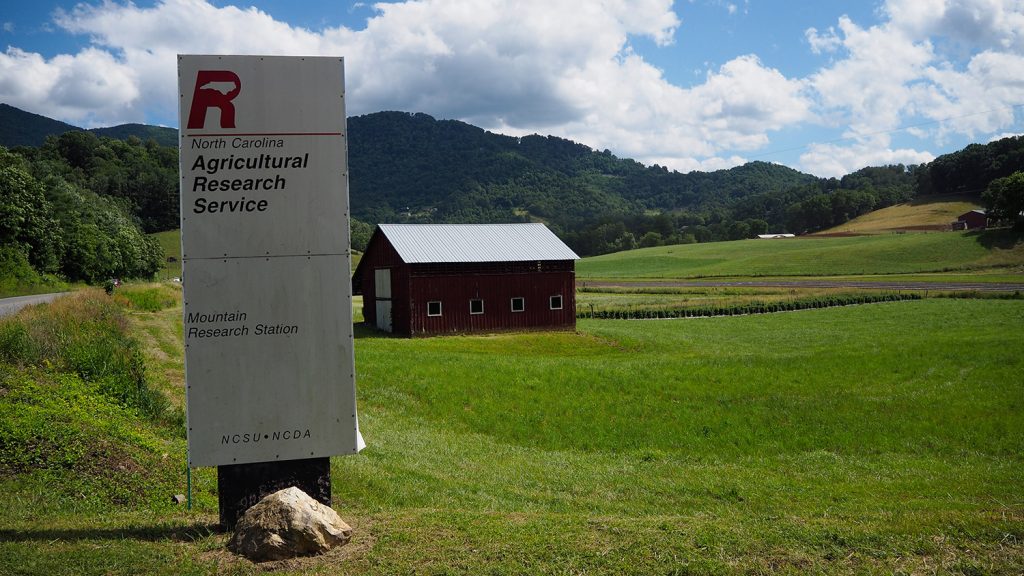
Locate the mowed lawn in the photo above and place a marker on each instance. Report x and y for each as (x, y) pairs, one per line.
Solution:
(883, 438)
(812, 256)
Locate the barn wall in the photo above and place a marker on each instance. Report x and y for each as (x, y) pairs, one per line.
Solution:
(974, 220)
(380, 254)
(454, 285)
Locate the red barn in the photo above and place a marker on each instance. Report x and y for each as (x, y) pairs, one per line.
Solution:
(973, 219)
(430, 279)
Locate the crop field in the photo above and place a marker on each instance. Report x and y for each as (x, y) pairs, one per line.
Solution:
(909, 253)
(878, 438)
(595, 300)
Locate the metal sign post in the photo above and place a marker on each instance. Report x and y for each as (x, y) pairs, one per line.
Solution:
(269, 363)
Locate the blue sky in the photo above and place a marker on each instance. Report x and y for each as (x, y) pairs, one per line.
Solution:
(825, 87)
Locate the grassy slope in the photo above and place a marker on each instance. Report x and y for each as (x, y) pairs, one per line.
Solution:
(924, 211)
(809, 256)
(170, 241)
(872, 438)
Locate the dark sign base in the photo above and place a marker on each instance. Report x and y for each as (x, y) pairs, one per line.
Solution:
(241, 486)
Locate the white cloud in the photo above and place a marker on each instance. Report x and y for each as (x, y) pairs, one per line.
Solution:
(871, 86)
(933, 69)
(88, 88)
(746, 99)
(946, 67)
(451, 59)
(146, 42)
(1005, 135)
(821, 43)
(832, 159)
(974, 23)
(564, 67)
(631, 109)
(977, 100)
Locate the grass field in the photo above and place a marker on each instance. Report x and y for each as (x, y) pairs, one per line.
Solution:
(921, 212)
(912, 253)
(879, 438)
(170, 241)
(811, 256)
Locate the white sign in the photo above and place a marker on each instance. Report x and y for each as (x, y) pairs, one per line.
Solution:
(269, 364)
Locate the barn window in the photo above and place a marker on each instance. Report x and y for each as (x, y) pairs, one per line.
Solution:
(556, 302)
(434, 308)
(518, 304)
(476, 306)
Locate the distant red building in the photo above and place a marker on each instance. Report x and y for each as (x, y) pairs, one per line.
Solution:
(971, 220)
(431, 279)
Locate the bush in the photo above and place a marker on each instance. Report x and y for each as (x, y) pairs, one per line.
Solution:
(17, 277)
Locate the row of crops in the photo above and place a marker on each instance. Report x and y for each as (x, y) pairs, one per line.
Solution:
(826, 301)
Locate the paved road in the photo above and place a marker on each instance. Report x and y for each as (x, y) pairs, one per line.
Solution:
(939, 286)
(12, 305)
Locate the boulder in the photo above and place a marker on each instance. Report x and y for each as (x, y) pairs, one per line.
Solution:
(286, 524)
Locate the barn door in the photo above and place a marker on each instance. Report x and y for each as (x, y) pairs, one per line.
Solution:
(384, 315)
(382, 293)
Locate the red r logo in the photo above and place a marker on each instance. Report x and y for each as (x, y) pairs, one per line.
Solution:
(216, 89)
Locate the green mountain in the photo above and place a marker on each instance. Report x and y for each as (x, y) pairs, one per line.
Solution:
(161, 134)
(407, 167)
(21, 128)
(411, 167)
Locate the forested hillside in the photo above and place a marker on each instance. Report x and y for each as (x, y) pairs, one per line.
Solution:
(413, 168)
(75, 206)
(21, 128)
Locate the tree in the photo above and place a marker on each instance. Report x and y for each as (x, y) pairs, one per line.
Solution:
(360, 234)
(757, 226)
(25, 219)
(739, 230)
(1004, 199)
(651, 239)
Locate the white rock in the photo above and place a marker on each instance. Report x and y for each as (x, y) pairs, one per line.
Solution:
(286, 524)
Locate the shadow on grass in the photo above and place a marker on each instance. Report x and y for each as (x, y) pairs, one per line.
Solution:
(189, 533)
(1002, 238)
(364, 330)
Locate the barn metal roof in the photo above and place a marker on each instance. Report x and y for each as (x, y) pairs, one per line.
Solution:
(447, 243)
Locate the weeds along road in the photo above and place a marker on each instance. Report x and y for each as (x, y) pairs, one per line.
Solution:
(938, 286)
(13, 304)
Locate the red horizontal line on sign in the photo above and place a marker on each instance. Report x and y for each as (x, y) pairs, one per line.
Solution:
(265, 134)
